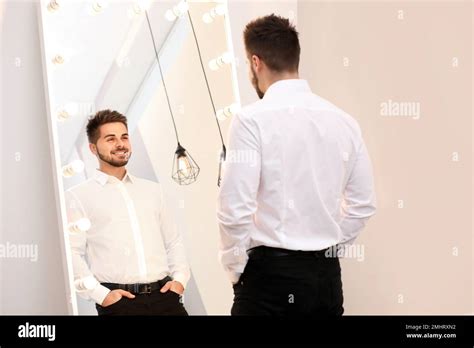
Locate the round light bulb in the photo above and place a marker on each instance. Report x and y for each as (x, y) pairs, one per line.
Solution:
(72, 168)
(207, 18)
(183, 165)
(77, 166)
(144, 4)
(137, 9)
(53, 5)
(62, 115)
(182, 7)
(220, 115)
(99, 5)
(234, 108)
(67, 111)
(170, 15)
(83, 224)
(58, 59)
(220, 9)
(227, 58)
(213, 65)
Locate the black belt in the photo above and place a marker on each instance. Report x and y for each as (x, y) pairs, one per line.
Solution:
(139, 288)
(264, 251)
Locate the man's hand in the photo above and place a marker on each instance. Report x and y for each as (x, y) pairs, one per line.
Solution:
(115, 296)
(174, 286)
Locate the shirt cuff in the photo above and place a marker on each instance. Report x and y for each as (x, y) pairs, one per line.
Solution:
(180, 277)
(99, 293)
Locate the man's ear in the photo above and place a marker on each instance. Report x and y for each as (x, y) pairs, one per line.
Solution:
(93, 148)
(256, 62)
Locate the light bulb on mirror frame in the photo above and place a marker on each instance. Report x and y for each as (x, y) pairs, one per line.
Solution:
(81, 225)
(216, 63)
(58, 59)
(185, 169)
(209, 17)
(98, 6)
(67, 111)
(228, 111)
(69, 170)
(177, 11)
(54, 5)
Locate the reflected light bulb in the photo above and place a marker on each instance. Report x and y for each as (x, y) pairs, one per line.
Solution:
(182, 7)
(228, 111)
(73, 168)
(67, 111)
(53, 5)
(220, 9)
(81, 225)
(216, 63)
(177, 11)
(99, 5)
(209, 17)
(144, 5)
(183, 165)
(226, 58)
(170, 15)
(58, 59)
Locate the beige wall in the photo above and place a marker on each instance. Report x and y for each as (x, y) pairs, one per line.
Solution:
(360, 55)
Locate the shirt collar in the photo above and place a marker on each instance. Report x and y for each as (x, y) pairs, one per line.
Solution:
(103, 178)
(285, 87)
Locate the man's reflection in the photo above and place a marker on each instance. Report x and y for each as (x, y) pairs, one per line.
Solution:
(136, 262)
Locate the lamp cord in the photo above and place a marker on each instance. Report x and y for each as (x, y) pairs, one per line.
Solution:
(162, 77)
(205, 76)
(224, 151)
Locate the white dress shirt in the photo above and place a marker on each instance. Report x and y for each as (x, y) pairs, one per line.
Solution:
(297, 176)
(132, 238)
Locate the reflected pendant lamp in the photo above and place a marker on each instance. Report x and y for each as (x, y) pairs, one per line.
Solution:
(185, 169)
(223, 151)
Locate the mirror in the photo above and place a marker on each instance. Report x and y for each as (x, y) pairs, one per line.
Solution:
(99, 55)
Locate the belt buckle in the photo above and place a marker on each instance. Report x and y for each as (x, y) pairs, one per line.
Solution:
(147, 289)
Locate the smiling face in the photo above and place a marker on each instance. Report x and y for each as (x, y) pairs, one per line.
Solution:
(113, 146)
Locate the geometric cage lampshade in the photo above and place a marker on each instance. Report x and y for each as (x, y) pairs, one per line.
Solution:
(185, 169)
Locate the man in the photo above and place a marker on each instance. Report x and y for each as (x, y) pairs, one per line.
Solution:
(298, 181)
(136, 258)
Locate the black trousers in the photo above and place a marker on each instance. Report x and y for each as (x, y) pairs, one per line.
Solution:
(294, 285)
(155, 303)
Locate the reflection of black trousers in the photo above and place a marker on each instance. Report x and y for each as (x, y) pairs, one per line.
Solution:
(155, 303)
(300, 284)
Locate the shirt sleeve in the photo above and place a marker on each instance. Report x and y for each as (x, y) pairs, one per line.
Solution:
(78, 241)
(359, 202)
(175, 250)
(237, 198)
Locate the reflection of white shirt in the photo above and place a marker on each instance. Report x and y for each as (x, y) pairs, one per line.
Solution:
(297, 176)
(132, 238)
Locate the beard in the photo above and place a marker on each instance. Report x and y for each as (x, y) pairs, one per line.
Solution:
(115, 162)
(255, 84)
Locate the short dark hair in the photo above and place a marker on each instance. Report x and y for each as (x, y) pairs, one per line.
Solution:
(100, 118)
(274, 40)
